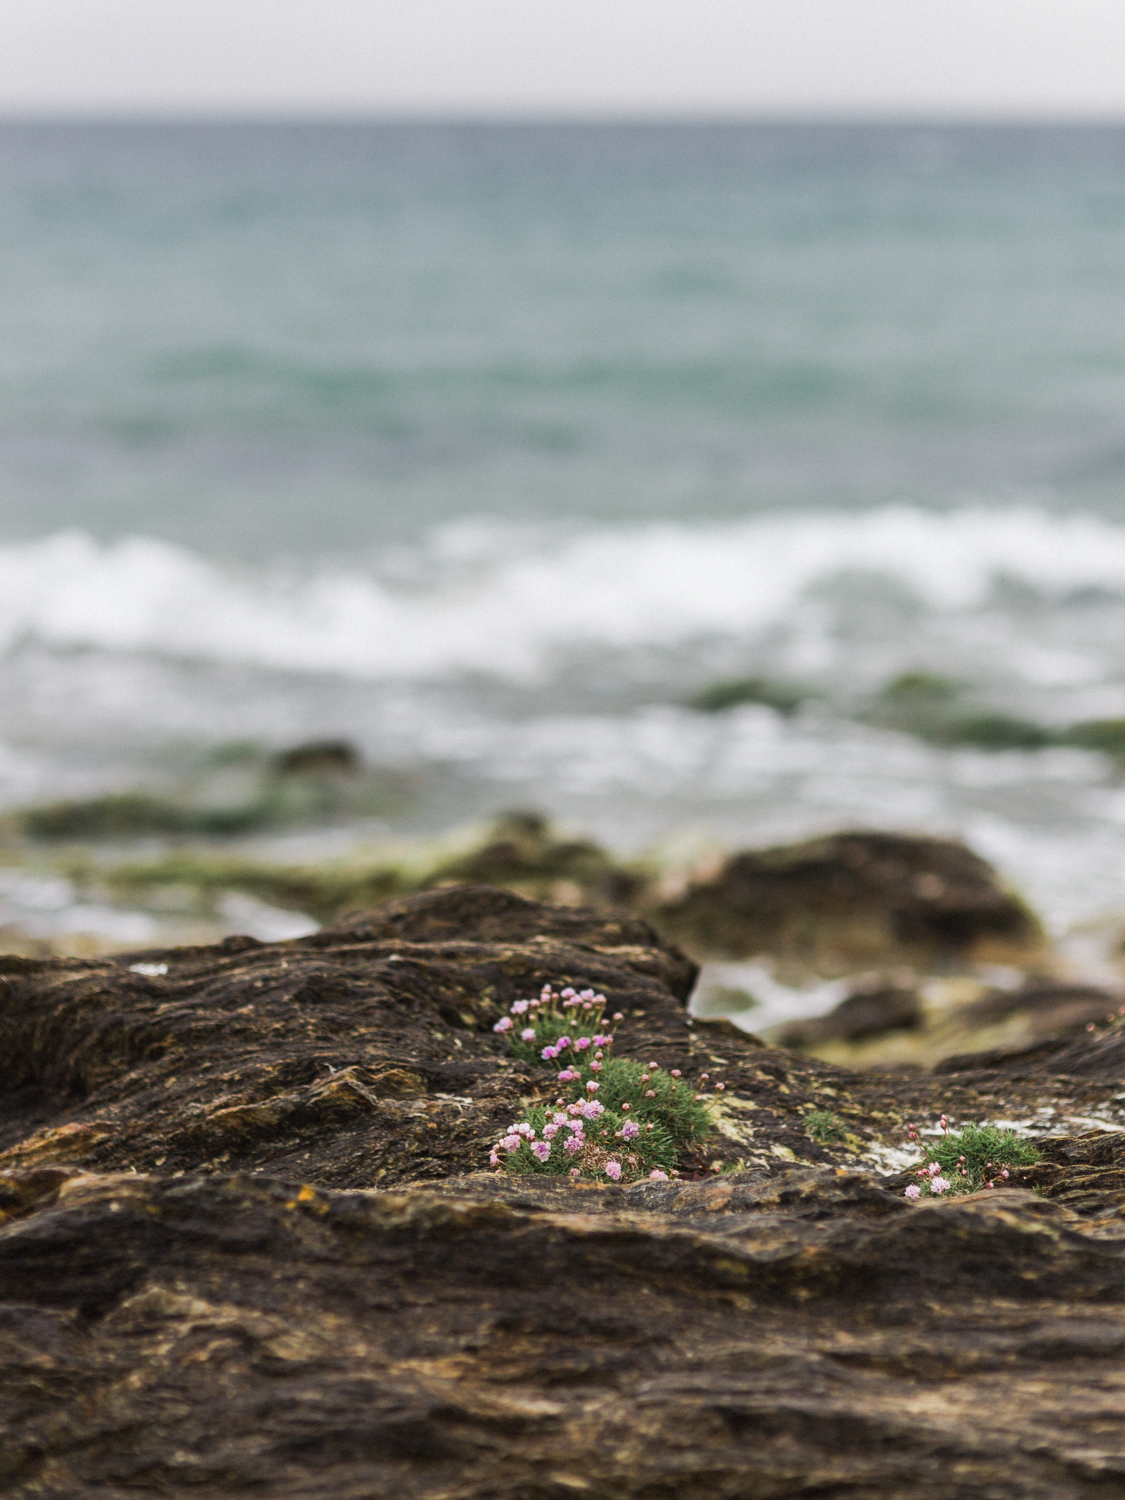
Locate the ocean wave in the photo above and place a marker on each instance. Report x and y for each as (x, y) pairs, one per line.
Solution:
(504, 601)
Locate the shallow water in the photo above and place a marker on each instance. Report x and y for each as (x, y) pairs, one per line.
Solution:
(488, 448)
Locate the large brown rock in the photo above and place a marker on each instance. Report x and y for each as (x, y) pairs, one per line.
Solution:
(220, 1274)
(854, 900)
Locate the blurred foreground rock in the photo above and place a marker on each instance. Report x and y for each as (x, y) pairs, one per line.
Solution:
(248, 1248)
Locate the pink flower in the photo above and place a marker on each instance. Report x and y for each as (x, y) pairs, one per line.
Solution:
(676, 1073)
(939, 1185)
(625, 1108)
(618, 1015)
(567, 993)
(575, 1125)
(505, 1023)
(595, 1066)
(542, 1150)
(574, 1171)
(592, 1109)
(652, 1067)
(592, 1086)
(562, 1043)
(582, 1043)
(550, 1131)
(569, 1075)
(720, 1087)
(650, 1093)
(650, 1127)
(656, 1175)
(574, 1143)
(511, 1143)
(519, 1007)
(629, 1130)
(549, 1052)
(602, 1041)
(913, 1192)
(613, 1170)
(493, 1159)
(528, 1035)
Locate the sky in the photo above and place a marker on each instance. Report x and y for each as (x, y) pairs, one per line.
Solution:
(564, 58)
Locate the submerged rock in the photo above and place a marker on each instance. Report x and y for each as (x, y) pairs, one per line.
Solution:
(865, 1013)
(854, 900)
(248, 1248)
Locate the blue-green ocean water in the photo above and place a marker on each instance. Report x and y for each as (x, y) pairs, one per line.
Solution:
(488, 446)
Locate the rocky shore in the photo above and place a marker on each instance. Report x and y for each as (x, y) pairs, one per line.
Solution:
(248, 1244)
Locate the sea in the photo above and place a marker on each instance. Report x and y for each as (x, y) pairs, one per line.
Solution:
(489, 448)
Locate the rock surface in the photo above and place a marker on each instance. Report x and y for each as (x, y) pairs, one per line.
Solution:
(247, 1247)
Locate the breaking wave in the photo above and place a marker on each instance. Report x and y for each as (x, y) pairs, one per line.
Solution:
(498, 600)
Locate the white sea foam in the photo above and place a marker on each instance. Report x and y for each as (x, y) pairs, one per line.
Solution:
(510, 606)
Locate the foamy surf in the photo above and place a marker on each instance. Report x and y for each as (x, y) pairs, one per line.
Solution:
(514, 601)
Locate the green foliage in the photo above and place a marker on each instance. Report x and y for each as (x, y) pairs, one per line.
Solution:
(976, 1153)
(823, 1126)
(613, 1117)
(974, 1157)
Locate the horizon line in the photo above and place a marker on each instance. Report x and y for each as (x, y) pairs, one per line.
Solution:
(590, 119)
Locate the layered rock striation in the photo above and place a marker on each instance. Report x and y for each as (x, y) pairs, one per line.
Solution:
(248, 1247)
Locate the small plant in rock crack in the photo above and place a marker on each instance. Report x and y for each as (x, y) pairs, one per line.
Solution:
(614, 1118)
(966, 1160)
(824, 1126)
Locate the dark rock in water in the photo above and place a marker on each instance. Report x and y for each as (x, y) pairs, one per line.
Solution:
(1051, 1008)
(864, 1014)
(523, 853)
(318, 758)
(720, 696)
(220, 1274)
(852, 900)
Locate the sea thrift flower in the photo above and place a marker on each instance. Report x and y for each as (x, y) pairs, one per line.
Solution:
(676, 1073)
(629, 1130)
(542, 1150)
(569, 1075)
(595, 1067)
(720, 1087)
(657, 1175)
(582, 1043)
(650, 1093)
(511, 1143)
(550, 1131)
(528, 1035)
(505, 1023)
(593, 1086)
(613, 1170)
(549, 1052)
(592, 1110)
(562, 1043)
(940, 1185)
(913, 1192)
(573, 1144)
(652, 1067)
(493, 1159)
(574, 1171)
(618, 1015)
(519, 1007)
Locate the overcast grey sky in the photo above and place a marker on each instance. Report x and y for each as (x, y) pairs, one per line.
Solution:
(564, 57)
